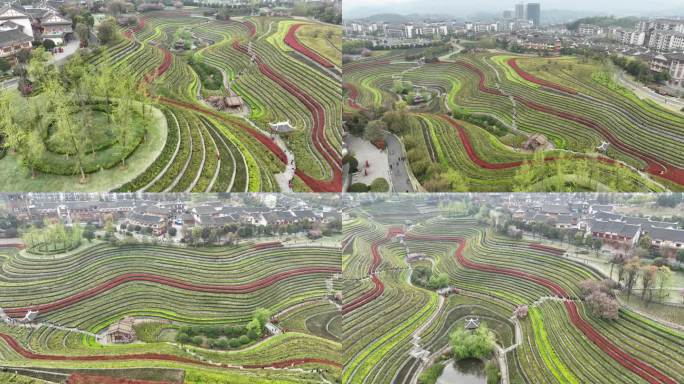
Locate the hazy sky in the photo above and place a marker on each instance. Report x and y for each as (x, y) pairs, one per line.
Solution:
(456, 7)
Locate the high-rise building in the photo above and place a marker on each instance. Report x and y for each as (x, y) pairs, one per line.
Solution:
(520, 11)
(533, 13)
(409, 31)
(507, 15)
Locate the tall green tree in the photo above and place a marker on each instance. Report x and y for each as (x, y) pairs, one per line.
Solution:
(123, 115)
(10, 127)
(83, 33)
(68, 132)
(38, 70)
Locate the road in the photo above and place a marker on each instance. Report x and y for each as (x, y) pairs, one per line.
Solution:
(68, 49)
(644, 92)
(401, 181)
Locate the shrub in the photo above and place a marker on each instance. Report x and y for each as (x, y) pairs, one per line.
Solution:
(430, 375)
(492, 372)
(359, 188)
(234, 343)
(219, 344)
(379, 185)
(244, 339)
(477, 344)
(183, 338)
(48, 44)
(197, 340)
(353, 163)
(252, 334)
(440, 281)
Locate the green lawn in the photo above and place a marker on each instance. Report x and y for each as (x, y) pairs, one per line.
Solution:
(104, 180)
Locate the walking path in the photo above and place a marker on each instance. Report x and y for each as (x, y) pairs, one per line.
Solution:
(36, 325)
(376, 158)
(69, 49)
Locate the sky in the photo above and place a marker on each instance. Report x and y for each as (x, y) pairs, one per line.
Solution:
(362, 8)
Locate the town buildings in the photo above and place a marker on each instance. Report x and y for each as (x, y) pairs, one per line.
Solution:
(672, 64)
(21, 25)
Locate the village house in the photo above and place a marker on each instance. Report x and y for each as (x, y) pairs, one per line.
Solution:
(535, 142)
(647, 223)
(18, 17)
(555, 209)
(615, 232)
(608, 216)
(666, 237)
(672, 64)
(121, 331)
(55, 27)
(564, 221)
(12, 38)
(39, 23)
(155, 223)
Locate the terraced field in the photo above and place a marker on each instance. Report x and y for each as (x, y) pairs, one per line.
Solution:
(575, 104)
(80, 295)
(389, 322)
(200, 149)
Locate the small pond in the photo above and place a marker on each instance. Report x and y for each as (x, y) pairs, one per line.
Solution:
(466, 371)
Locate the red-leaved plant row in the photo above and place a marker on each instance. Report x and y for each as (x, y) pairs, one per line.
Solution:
(17, 347)
(379, 287)
(475, 158)
(139, 27)
(268, 245)
(250, 27)
(293, 42)
(315, 185)
(162, 68)
(654, 166)
(546, 248)
(17, 246)
(644, 370)
(333, 185)
(148, 277)
(317, 111)
(533, 79)
(353, 95)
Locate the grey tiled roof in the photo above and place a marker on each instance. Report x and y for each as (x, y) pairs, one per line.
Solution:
(13, 36)
(619, 228)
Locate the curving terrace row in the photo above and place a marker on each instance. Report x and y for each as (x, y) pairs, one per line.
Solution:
(320, 141)
(654, 165)
(379, 287)
(17, 347)
(644, 370)
(147, 277)
(293, 42)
